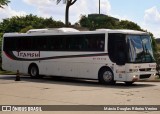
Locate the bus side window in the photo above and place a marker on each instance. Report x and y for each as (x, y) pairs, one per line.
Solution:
(100, 45)
(91, 43)
(52, 44)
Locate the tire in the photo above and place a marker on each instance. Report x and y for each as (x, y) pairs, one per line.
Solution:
(129, 83)
(106, 77)
(34, 71)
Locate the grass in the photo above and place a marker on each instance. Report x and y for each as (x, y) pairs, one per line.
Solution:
(158, 78)
(3, 72)
(6, 73)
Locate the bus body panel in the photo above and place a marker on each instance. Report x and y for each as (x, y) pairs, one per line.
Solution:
(80, 64)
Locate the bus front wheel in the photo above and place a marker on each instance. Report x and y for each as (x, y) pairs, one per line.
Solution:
(34, 71)
(106, 76)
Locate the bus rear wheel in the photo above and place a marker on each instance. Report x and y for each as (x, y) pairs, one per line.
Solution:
(34, 71)
(106, 76)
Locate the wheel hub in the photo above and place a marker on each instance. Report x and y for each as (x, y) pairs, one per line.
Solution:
(107, 76)
(33, 71)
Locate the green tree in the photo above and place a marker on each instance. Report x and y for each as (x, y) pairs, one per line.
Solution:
(3, 2)
(96, 21)
(125, 24)
(84, 21)
(154, 44)
(24, 30)
(68, 4)
(16, 23)
(1, 35)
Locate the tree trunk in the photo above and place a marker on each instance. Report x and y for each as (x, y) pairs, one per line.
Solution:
(67, 16)
(99, 7)
(68, 4)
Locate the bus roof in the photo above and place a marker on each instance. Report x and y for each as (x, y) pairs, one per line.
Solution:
(52, 30)
(125, 31)
(63, 31)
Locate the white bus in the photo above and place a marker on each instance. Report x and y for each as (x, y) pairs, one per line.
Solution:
(106, 55)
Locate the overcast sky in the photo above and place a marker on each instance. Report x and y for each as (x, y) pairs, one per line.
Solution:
(145, 13)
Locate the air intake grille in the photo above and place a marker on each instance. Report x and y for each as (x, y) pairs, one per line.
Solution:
(145, 69)
(145, 76)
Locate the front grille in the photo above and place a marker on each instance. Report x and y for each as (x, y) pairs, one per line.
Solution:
(145, 76)
(145, 69)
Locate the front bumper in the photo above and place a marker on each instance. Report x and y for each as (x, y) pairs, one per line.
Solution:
(141, 76)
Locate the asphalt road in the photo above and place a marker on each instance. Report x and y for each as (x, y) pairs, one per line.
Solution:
(67, 91)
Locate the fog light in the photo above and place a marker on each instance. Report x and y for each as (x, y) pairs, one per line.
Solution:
(135, 78)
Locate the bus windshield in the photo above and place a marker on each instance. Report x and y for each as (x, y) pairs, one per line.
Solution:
(140, 49)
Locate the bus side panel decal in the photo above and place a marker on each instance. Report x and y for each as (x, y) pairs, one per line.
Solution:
(12, 56)
(9, 55)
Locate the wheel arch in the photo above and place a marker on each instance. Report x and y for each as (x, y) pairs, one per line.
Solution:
(32, 64)
(102, 68)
